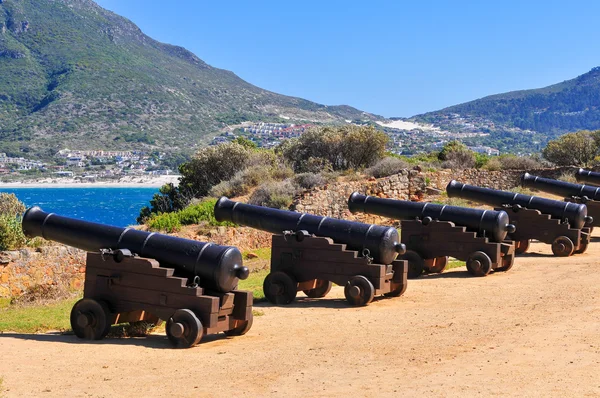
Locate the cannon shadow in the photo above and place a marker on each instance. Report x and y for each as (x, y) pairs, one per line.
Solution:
(307, 302)
(154, 341)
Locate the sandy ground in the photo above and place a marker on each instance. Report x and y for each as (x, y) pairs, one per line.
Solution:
(142, 181)
(533, 331)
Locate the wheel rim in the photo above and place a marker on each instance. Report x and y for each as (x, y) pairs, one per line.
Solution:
(280, 288)
(562, 246)
(359, 291)
(184, 329)
(90, 319)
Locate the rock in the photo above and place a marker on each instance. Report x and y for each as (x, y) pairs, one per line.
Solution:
(250, 256)
(433, 191)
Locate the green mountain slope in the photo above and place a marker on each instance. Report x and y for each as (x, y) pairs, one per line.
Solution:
(73, 74)
(541, 114)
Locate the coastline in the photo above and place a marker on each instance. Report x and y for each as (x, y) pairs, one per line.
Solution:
(124, 182)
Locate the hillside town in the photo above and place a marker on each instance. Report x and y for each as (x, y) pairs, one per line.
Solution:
(87, 165)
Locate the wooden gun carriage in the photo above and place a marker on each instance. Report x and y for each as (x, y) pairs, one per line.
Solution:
(432, 233)
(309, 253)
(559, 224)
(191, 285)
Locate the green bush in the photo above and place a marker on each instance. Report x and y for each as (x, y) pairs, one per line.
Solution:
(278, 195)
(167, 222)
(242, 181)
(309, 180)
(10, 205)
(11, 233)
(340, 147)
(194, 214)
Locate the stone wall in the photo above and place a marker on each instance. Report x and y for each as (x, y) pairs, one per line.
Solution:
(331, 200)
(57, 266)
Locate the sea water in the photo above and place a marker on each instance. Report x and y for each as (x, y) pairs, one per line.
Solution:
(113, 206)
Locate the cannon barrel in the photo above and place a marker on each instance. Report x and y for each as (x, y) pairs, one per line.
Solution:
(575, 213)
(587, 176)
(490, 223)
(218, 267)
(383, 243)
(562, 188)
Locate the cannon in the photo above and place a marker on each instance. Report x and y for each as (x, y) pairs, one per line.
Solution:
(433, 232)
(560, 224)
(588, 177)
(132, 275)
(309, 253)
(576, 193)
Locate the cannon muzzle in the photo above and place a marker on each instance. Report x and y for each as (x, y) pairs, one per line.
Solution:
(575, 213)
(588, 177)
(218, 267)
(561, 188)
(490, 223)
(381, 243)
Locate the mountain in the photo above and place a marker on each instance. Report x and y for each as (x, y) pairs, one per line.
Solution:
(528, 116)
(74, 74)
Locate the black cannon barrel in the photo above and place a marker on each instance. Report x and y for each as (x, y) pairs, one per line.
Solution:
(493, 224)
(587, 176)
(383, 243)
(575, 213)
(562, 188)
(219, 267)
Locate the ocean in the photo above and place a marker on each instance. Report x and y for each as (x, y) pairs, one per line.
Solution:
(113, 206)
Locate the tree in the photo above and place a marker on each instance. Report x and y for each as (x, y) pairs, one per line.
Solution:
(573, 149)
(168, 199)
(456, 155)
(335, 147)
(210, 166)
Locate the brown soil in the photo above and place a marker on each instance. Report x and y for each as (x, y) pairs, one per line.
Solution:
(533, 331)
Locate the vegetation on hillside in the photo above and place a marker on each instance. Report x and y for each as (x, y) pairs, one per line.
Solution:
(581, 148)
(72, 74)
(525, 120)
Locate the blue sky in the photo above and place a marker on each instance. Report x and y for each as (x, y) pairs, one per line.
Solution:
(393, 58)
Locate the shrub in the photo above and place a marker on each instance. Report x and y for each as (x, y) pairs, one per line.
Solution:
(456, 155)
(242, 181)
(493, 164)
(212, 165)
(573, 149)
(11, 233)
(387, 167)
(10, 205)
(512, 162)
(309, 180)
(339, 147)
(168, 199)
(278, 195)
(568, 176)
(167, 222)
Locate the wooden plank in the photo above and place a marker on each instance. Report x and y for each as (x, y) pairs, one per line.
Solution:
(129, 264)
(208, 319)
(151, 282)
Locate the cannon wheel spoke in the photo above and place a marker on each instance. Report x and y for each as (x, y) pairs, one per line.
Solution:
(479, 264)
(359, 291)
(323, 287)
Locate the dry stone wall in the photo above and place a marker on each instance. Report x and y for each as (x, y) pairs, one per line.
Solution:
(57, 266)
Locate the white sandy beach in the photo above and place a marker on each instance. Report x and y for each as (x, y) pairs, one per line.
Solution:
(142, 181)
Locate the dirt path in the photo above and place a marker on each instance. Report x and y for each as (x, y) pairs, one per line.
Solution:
(534, 331)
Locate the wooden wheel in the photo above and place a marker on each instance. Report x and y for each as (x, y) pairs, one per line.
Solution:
(582, 248)
(280, 288)
(479, 264)
(90, 319)
(562, 246)
(359, 291)
(184, 329)
(416, 265)
(323, 287)
(507, 263)
(436, 265)
(521, 246)
(242, 328)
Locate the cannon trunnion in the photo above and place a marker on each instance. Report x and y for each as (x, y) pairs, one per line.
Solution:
(309, 252)
(431, 237)
(577, 193)
(560, 224)
(191, 285)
